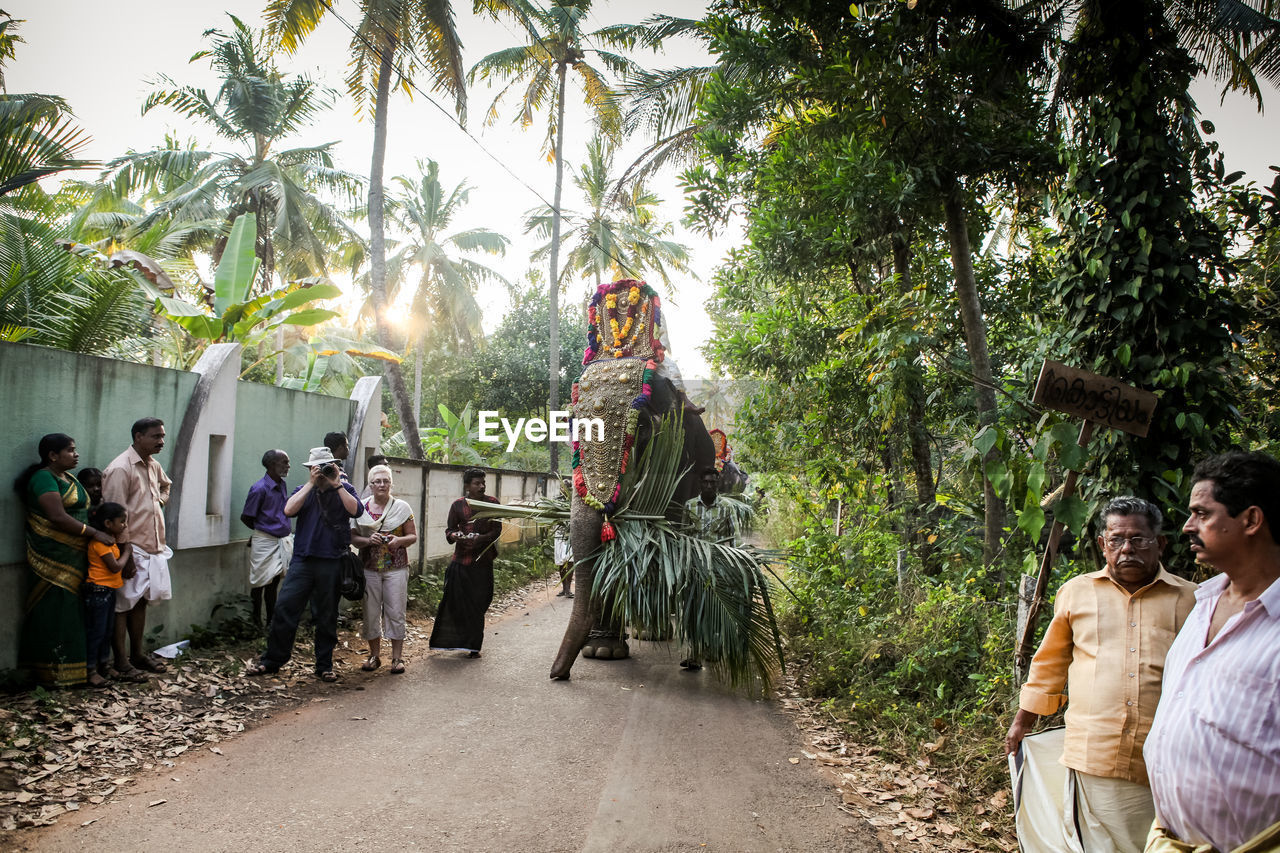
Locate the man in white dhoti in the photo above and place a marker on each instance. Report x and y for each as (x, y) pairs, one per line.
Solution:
(271, 539)
(136, 480)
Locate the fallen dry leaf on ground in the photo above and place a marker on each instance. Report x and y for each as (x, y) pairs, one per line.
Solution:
(63, 747)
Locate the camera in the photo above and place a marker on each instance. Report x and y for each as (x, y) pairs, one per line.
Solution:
(329, 470)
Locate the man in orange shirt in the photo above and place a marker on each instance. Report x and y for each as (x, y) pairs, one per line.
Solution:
(1107, 643)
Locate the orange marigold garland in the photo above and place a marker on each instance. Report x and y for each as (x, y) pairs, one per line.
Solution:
(637, 302)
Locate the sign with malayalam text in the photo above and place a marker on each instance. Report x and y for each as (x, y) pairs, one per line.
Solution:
(1095, 398)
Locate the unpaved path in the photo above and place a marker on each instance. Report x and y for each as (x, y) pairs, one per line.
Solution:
(490, 755)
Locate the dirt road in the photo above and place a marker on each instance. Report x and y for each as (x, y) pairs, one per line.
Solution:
(490, 755)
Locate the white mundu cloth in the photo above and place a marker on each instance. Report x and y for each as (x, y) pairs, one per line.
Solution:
(269, 556)
(150, 579)
(1058, 810)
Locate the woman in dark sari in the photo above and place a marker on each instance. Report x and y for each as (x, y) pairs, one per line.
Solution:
(468, 582)
(52, 644)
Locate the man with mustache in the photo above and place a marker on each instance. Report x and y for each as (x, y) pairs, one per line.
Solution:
(1106, 645)
(136, 480)
(1214, 749)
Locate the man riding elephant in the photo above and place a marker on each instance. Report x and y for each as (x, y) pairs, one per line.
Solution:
(731, 479)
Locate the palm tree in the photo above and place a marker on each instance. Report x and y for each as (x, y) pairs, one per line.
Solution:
(9, 39)
(49, 295)
(394, 39)
(1235, 42)
(663, 104)
(557, 43)
(37, 139)
(71, 300)
(444, 304)
(256, 106)
(619, 235)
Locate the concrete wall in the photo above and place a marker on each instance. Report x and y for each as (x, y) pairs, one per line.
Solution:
(96, 400)
(218, 428)
(269, 418)
(432, 487)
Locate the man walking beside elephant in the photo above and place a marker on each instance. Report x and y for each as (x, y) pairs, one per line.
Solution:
(711, 519)
(468, 582)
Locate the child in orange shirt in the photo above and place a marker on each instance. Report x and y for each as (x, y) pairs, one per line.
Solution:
(107, 571)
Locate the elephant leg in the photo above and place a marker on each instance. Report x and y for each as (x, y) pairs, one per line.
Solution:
(605, 643)
(584, 531)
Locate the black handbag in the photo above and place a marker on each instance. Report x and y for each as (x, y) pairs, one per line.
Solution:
(350, 576)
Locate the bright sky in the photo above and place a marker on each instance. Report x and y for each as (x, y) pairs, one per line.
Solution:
(104, 61)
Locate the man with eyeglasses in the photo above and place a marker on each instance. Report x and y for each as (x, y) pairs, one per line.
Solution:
(1214, 749)
(1106, 646)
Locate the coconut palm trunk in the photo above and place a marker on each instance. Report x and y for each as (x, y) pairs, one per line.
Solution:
(553, 397)
(378, 257)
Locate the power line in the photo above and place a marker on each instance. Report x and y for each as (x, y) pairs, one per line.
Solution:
(453, 119)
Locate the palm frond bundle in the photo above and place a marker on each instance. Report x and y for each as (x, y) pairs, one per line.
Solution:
(655, 573)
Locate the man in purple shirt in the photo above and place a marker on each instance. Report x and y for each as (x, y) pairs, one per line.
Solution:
(271, 542)
(1213, 754)
(324, 507)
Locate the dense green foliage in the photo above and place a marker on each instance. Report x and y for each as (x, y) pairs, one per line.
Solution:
(928, 189)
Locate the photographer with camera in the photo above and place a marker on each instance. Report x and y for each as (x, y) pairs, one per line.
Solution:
(324, 507)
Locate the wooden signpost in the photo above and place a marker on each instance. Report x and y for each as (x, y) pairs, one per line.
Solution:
(1099, 401)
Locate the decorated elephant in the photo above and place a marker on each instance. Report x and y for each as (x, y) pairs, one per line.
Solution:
(623, 385)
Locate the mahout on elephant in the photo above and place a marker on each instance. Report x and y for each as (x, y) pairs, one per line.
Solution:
(733, 480)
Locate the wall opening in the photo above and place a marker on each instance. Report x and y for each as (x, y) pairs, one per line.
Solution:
(216, 487)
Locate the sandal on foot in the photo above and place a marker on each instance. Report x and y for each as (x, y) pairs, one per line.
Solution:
(560, 594)
(371, 664)
(328, 675)
(568, 595)
(397, 666)
(258, 668)
(97, 682)
(150, 664)
(133, 676)
(473, 654)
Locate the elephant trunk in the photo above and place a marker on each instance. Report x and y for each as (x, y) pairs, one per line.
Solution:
(585, 524)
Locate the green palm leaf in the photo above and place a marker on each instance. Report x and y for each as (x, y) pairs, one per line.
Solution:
(654, 573)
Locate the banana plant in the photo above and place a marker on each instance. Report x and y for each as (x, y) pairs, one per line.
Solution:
(453, 443)
(233, 317)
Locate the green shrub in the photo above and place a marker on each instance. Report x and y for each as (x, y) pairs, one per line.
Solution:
(902, 665)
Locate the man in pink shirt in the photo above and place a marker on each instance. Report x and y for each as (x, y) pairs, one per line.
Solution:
(1213, 754)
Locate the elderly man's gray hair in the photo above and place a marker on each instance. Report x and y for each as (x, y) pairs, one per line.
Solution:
(1130, 505)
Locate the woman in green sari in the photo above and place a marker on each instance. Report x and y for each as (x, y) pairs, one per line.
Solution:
(52, 645)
